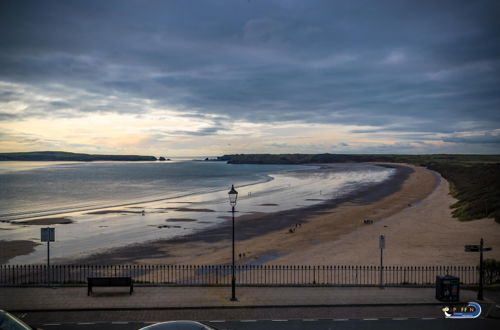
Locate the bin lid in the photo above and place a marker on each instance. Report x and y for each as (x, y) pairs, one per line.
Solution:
(447, 277)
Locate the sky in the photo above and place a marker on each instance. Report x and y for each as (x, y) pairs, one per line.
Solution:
(214, 77)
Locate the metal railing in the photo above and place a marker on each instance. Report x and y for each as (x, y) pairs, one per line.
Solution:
(246, 275)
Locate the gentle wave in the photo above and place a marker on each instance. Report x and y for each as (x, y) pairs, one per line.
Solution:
(266, 190)
(35, 190)
(28, 214)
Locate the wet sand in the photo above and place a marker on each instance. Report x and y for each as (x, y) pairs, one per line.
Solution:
(259, 233)
(113, 211)
(45, 221)
(10, 249)
(180, 220)
(187, 209)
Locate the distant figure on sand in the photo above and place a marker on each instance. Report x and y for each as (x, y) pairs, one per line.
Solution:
(143, 212)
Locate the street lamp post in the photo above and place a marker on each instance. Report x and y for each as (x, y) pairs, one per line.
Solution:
(233, 195)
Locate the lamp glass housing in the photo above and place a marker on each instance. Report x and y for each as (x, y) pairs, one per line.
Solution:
(233, 195)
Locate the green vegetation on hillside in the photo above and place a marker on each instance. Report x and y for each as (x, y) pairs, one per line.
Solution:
(474, 179)
(68, 156)
(475, 185)
(344, 158)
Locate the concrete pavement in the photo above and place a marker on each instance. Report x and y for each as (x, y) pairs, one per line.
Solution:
(75, 298)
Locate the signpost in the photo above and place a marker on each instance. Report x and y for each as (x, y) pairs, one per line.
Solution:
(48, 235)
(479, 248)
(381, 245)
(472, 248)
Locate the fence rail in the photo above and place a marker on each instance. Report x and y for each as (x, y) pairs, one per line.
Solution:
(246, 275)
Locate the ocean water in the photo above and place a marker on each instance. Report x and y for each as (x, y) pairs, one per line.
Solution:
(178, 198)
(45, 188)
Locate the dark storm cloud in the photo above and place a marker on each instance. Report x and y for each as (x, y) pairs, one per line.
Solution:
(8, 116)
(486, 138)
(212, 130)
(418, 66)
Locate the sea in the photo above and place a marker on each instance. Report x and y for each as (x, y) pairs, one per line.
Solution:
(105, 200)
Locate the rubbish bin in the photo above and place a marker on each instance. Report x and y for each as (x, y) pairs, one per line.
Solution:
(447, 288)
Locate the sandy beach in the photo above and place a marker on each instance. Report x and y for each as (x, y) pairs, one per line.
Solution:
(415, 219)
(423, 234)
(411, 209)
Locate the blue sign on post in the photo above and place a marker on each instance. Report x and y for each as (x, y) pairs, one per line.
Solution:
(48, 234)
(381, 245)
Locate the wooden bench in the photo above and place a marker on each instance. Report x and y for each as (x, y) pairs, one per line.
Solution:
(109, 281)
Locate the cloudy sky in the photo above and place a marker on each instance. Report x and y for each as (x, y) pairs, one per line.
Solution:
(193, 77)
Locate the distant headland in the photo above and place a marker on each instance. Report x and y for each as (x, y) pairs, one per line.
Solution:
(69, 156)
(422, 160)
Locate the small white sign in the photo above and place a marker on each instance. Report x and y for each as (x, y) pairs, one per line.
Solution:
(381, 242)
(48, 234)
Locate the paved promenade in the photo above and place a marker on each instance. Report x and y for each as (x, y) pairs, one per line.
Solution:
(75, 298)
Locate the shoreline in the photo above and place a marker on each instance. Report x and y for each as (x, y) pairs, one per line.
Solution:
(95, 232)
(411, 209)
(104, 209)
(249, 227)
